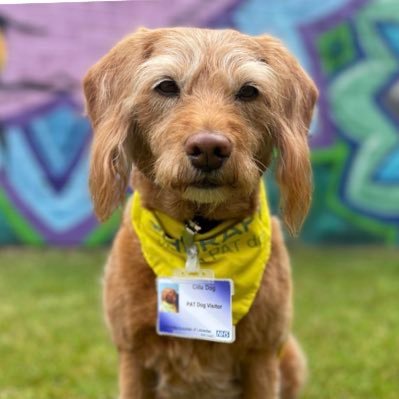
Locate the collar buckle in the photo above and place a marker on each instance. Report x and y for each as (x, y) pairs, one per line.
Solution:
(192, 227)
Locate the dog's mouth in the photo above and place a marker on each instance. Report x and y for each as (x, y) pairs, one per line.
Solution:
(209, 189)
(206, 184)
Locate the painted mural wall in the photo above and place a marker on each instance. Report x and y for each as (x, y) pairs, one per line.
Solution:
(350, 47)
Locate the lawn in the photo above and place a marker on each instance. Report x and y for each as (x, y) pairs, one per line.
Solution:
(53, 343)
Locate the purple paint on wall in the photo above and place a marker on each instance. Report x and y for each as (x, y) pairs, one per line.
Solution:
(67, 38)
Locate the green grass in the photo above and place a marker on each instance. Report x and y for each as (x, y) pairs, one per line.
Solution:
(53, 343)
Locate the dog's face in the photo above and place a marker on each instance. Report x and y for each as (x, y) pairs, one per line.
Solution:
(169, 295)
(200, 112)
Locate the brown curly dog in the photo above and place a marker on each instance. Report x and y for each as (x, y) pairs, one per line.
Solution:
(194, 117)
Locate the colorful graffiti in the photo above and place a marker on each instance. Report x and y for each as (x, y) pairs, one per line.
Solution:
(350, 47)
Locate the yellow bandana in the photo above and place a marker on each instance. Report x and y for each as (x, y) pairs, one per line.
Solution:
(235, 250)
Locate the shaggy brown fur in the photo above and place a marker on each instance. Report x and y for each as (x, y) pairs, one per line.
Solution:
(139, 128)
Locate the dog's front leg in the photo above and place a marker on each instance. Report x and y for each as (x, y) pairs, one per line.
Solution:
(135, 382)
(260, 376)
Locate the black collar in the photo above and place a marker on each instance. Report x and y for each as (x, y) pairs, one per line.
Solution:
(205, 224)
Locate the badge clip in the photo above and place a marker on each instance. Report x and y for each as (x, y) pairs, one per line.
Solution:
(192, 266)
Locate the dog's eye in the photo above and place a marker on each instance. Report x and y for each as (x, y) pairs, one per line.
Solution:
(168, 88)
(247, 93)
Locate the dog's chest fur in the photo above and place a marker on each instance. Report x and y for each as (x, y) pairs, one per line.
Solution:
(192, 369)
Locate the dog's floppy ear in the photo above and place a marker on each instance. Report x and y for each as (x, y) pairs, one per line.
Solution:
(106, 89)
(293, 106)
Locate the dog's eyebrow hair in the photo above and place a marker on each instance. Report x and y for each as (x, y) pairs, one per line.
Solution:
(254, 71)
(238, 67)
(177, 66)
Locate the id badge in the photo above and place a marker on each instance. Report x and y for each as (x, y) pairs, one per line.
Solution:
(196, 308)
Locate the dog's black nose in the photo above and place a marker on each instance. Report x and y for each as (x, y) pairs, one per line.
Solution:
(208, 151)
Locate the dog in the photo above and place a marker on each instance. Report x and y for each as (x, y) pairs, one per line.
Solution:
(192, 118)
(169, 300)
